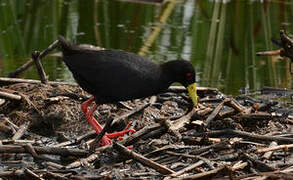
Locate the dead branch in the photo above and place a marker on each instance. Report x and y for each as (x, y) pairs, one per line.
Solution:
(29, 63)
(89, 135)
(181, 122)
(206, 161)
(78, 163)
(186, 169)
(242, 134)
(216, 112)
(275, 148)
(205, 175)
(205, 111)
(261, 166)
(20, 132)
(54, 165)
(52, 175)
(43, 150)
(235, 105)
(29, 148)
(156, 166)
(18, 141)
(269, 53)
(256, 116)
(41, 71)
(133, 138)
(15, 173)
(269, 154)
(10, 96)
(32, 175)
(175, 126)
(239, 165)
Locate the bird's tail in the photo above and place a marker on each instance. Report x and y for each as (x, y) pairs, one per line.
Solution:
(66, 46)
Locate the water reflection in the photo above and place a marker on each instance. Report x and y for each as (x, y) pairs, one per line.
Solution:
(220, 38)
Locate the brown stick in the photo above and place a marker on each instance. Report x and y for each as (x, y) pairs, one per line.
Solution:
(156, 166)
(20, 172)
(188, 168)
(90, 177)
(175, 126)
(10, 96)
(29, 63)
(269, 154)
(43, 150)
(220, 145)
(265, 175)
(41, 71)
(181, 122)
(269, 53)
(205, 160)
(54, 165)
(204, 111)
(14, 126)
(32, 175)
(18, 141)
(259, 165)
(51, 175)
(29, 148)
(235, 105)
(16, 173)
(204, 175)
(139, 134)
(77, 140)
(216, 112)
(20, 132)
(236, 133)
(256, 116)
(80, 162)
(239, 165)
(274, 148)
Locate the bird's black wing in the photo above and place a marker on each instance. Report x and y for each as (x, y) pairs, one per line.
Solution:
(114, 75)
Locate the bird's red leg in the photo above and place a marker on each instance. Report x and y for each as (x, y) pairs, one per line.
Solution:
(87, 103)
(97, 127)
(92, 121)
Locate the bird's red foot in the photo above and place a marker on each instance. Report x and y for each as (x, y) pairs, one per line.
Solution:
(106, 139)
(121, 133)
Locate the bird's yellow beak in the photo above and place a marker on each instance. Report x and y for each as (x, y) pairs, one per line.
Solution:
(192, 93)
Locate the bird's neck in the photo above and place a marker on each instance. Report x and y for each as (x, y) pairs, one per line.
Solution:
(166, 76)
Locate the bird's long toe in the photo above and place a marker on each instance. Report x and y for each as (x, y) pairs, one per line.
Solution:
(121, 133)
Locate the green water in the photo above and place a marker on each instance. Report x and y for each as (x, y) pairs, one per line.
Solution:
(220, 38)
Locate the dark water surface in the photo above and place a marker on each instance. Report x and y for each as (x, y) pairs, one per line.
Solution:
(220, 38)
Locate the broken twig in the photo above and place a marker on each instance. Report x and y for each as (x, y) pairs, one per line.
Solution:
(158, 167)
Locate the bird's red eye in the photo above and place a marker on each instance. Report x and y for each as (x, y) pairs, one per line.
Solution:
(189, 76)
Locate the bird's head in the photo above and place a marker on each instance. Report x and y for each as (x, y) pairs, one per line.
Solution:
(183, 72)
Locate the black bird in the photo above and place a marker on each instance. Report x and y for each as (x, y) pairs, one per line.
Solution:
(114, 75)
